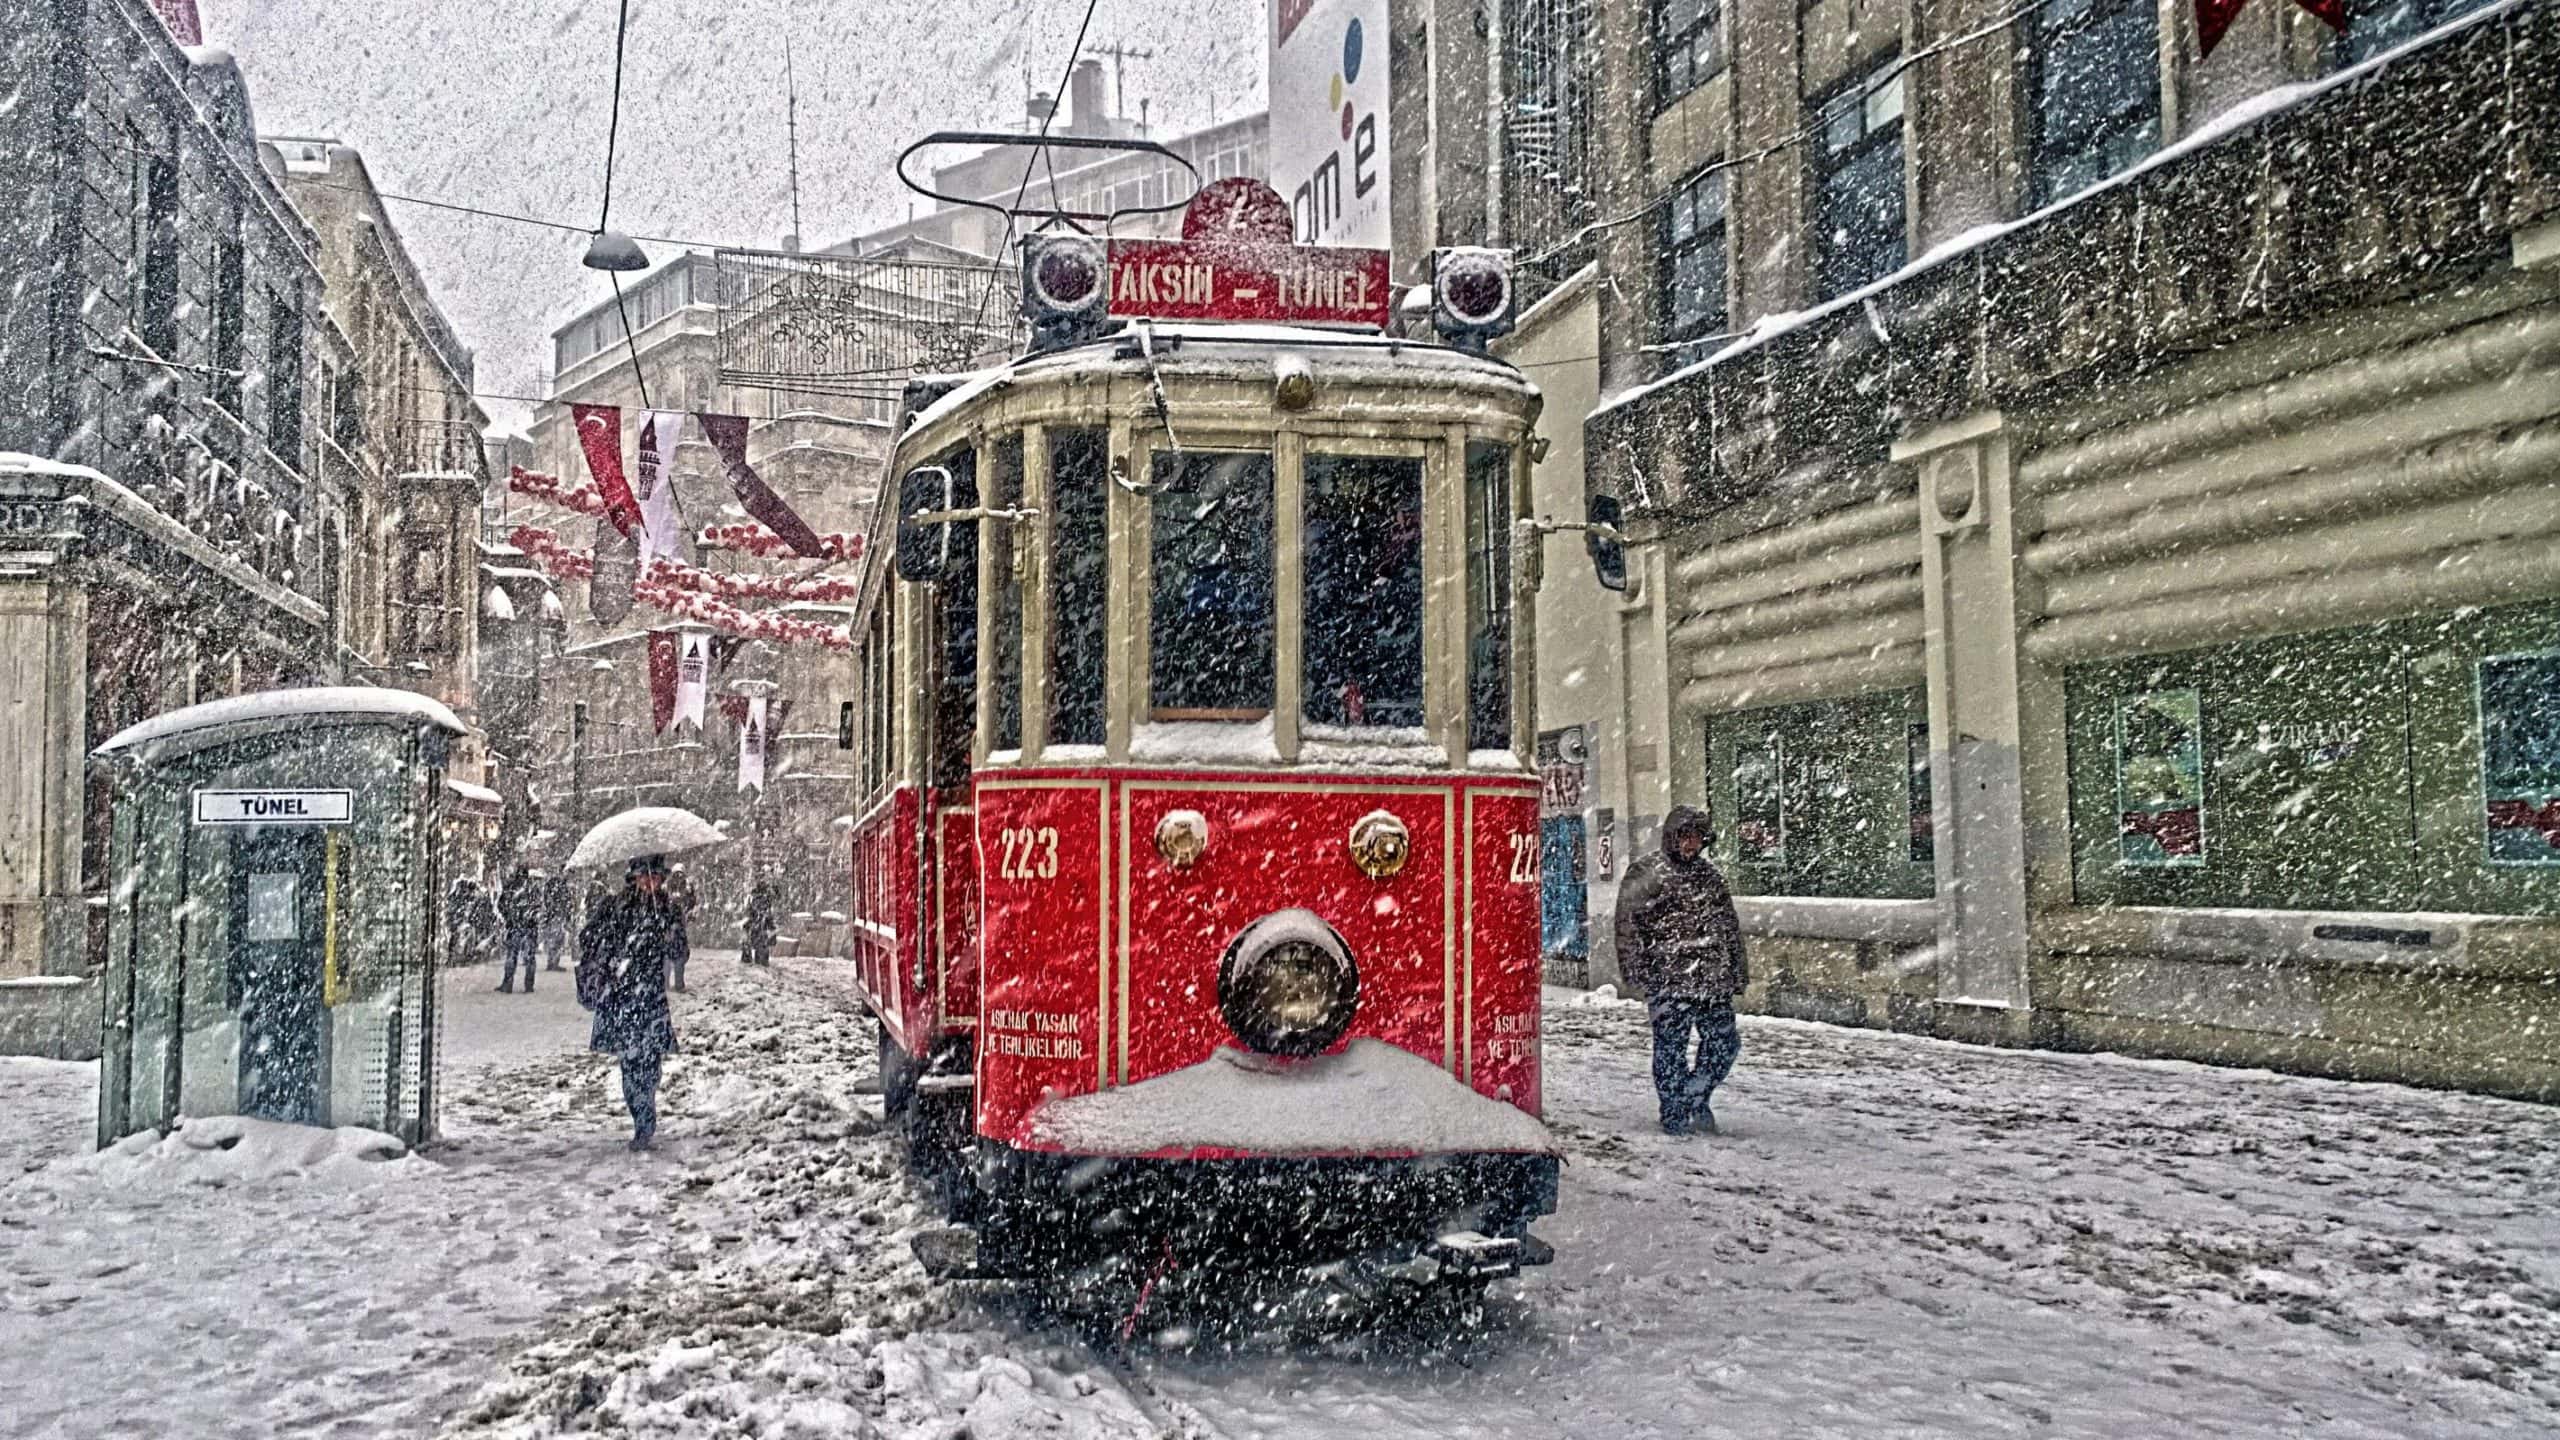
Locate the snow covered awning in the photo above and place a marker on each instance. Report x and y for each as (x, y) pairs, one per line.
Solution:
(216, 721)
(475, 799)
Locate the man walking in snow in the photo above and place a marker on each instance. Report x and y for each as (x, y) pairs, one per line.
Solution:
(520, 915)
(630, 942)
(1680, 946)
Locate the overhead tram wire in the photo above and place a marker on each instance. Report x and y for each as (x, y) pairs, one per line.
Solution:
(604, 213)
(1032, 162)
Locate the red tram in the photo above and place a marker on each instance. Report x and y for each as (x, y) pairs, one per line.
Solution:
(1195, 865)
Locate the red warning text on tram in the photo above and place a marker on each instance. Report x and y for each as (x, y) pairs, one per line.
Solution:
(1225, 280)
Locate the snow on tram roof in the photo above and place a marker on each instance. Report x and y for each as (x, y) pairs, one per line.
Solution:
(1181, 342)
(309, 705)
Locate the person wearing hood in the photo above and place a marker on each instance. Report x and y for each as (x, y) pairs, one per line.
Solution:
(1680, 946)
(629, 943)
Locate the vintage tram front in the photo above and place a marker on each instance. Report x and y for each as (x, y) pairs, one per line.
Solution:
(1196, 868)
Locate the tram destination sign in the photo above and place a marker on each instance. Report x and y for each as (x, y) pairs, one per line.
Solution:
(1238, 279)
(275, 807)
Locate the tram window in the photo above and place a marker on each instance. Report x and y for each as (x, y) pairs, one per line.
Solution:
(955, 719)
(1004, 699)
(1079, 564)
(1488, 596)
(1211, 612)
(1363, 628)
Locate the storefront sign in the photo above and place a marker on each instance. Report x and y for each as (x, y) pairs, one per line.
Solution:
(275, 807)
(1329, 118)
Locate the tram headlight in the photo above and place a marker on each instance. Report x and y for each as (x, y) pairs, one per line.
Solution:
(1288, 985)
(1066, 287)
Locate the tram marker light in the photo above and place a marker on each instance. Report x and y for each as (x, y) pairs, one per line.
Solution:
(1471, 296)
(1066, 289)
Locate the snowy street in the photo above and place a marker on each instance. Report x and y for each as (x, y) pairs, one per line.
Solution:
(1894, 1236)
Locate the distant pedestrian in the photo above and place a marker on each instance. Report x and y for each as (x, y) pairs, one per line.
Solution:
(465, 927)
(680, 890)
(629, 944)
(520, 916)
(758, 928)
(1680, 945)
(559, 914)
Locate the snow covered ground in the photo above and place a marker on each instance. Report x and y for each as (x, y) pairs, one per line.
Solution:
(1894, 1236)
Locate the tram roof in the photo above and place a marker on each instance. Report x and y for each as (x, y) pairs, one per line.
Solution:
(1208, 347)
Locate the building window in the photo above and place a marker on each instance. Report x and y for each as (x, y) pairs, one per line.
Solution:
(1211, 613)
(2374, 26)
(1693, 260)
(284, 378)
(2520, 758)
(158, 320)
(1857, 183)
(230, 319)
(1918, 807)
(1549, 65)
(1363, 626)
(2093, 93)
(420, 630)
(1688, 40)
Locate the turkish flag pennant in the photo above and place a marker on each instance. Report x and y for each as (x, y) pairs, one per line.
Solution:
(600, 438)
(2214, 17)
(663, 659)
(728, 435)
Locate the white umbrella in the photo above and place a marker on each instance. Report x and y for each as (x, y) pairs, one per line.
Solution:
(649, 830)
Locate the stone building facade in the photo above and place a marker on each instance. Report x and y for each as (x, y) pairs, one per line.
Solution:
(2102, 512)
(177, 517)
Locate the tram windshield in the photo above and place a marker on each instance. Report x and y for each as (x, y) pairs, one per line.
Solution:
(1213, 624)
(1363, 615)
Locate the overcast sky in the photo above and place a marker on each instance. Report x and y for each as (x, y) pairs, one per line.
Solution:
(504, 106)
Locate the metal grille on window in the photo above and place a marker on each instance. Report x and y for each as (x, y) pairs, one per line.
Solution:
(1688, 38)
(1693, 260)
(2094, 95)
(1549, 66)
(1857, 201)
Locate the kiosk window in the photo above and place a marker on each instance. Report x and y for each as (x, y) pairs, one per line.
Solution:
(1211, 632)
(1363, 629)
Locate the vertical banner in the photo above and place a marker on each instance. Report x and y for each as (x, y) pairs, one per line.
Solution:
(1329, 119)
(661, 527)
(662, 677)
(751, 744)
(693, 677)
(600, 440)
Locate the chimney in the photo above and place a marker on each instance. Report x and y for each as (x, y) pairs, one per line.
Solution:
(1084, 93)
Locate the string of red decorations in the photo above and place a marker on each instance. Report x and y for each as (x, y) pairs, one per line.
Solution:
(750, 538)
(813, 589)
(539, 486)
(669, 588)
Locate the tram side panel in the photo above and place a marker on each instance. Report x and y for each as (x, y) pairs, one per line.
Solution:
(1046, 945)
(1502, 966)
(888, 935)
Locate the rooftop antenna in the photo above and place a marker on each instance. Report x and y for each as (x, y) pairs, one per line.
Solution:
(791, 124)
(1121, 54)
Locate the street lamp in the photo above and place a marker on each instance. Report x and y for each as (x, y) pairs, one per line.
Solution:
(611, 250)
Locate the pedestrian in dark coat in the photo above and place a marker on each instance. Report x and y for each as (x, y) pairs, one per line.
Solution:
(520, 913)
(1680, 946)
(629, 943)
(758, 928)
(681, 892)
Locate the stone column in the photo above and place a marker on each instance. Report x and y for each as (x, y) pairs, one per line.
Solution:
(1995, 725)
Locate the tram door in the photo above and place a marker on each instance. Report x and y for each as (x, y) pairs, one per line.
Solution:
(949, 838)
(277, 956)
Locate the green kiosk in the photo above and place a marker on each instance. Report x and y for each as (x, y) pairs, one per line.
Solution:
(272, 936)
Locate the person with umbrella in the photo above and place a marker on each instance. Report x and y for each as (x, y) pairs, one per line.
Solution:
(625, 951)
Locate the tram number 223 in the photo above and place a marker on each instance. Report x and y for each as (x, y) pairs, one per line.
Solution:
(1524, 859)
(1029, 853)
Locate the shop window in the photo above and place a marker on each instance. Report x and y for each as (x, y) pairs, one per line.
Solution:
(1826, 798)
(1693, 259)
(2092, 91)
(1760, 799)
(1004, 699)
(1688, 42)
(1489, 517)
(1362, 631)
(1920, 808)
(2160, 778)
(1079, 562)
(2374, 26)
(1212, 622)
(1857, 182)
(2520, 758)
